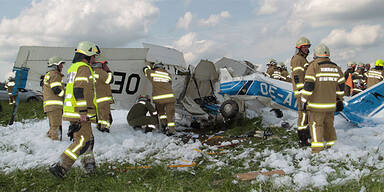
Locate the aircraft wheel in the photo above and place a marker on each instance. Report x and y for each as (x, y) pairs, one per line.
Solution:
(229, 109)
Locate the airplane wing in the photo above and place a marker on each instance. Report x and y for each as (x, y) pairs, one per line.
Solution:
(359, 110)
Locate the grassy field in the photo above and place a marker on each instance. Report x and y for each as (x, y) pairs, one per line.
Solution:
(26, 111)
(112, 176)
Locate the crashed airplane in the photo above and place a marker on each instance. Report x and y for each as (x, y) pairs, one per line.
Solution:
(205, 93)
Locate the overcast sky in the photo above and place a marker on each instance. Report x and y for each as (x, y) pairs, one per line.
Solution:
(253, 30)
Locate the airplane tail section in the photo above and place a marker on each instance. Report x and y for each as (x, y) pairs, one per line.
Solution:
(366, 104)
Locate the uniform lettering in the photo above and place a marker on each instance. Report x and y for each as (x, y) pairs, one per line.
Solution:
(328, 69)
(327, 78)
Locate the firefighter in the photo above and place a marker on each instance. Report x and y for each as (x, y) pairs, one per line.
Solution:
(272, 70)
(348, 74)
(376, 74)
(367, 67)
(9, 86)
(53, 94)
(104, 99)
(358, 79)
(162, 95)
(284, 75)
(322, 95)
(137, 116)
(299, 65)
(79, 108)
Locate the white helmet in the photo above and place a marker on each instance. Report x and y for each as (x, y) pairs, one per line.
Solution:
(55, 61)
(321, 51)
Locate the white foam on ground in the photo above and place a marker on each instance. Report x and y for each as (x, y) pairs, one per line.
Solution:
(24, 146)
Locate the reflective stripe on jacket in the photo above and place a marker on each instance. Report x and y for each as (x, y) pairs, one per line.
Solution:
(53, 101)
(299, 66)
(80, 75)
(161, 85)
(103, 87)
(324, 82)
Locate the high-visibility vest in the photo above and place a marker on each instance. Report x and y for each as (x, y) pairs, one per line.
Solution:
(70, 102)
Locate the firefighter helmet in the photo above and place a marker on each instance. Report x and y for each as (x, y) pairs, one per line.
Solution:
(11, 76)
(379, 63)
(302, 42)
(351, 63)
(87, 48)
(272, 62)
(158, 65)
(101, 59)
(143, 98)
(321, 50)
(281, 65)
(55, 61)
(360, 65)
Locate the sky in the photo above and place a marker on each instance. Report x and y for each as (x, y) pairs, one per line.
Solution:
(253, 30)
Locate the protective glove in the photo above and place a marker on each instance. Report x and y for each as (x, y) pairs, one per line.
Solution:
(102, 129)
(74, 127)
(339, 106)
(146, 67)
(303, 106)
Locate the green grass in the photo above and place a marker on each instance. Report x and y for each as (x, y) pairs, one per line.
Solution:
(113, 176)
(26, 111)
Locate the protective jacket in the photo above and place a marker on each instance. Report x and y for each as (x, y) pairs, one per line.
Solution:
(53, 91)
(358, 81)
(284, 76)
(80, 96)
(161, 85)
(9, 85)
(270, 71)
(324, 84)
(276, 74)
(140, 109)
(299, 65)
(103, 88)
(374, 76)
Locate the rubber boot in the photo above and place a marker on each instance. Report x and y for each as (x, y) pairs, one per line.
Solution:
(57, 170)
(90, 168)
(304, 137)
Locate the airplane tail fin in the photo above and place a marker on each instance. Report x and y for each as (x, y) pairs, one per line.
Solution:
(225, 75)
(365, 105)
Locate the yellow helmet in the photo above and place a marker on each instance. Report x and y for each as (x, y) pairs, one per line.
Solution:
(302, 41)
(87, 48)
(380, 63)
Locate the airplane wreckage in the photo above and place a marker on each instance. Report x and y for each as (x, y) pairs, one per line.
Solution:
(205, 93)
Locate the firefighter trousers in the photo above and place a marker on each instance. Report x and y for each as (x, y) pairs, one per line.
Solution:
(82, 145)
(104, 111)
(142, 121)
(55, 120)
(322, 130)
(166, 112)
(12, 99)
(302, 123)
